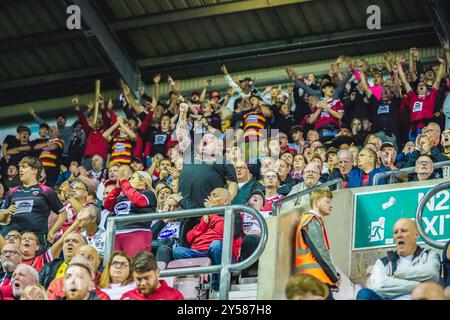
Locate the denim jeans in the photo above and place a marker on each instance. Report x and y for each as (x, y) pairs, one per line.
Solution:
(214, 253)
(367, 294)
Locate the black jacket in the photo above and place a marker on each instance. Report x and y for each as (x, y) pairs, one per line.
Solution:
(48, 272)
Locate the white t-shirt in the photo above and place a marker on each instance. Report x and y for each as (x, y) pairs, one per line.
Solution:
(250, 224)
(116, 291)
(97, 240)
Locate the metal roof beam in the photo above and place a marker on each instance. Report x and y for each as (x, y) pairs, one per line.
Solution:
(437, 9)
(199, 12)
(114, 56)
(54, 77)
(307, 42)
(39, 39)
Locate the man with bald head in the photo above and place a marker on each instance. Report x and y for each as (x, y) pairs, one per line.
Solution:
(345, 165)
(90, 255)
(428, 291)
(206, 238)
(395, 276)
(57, 268)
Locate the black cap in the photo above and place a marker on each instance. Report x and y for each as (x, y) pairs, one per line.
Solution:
(255, 96)
(23, 128)
(139, 160)
(44, 125)
(258, 192)
(246, 79)
(388, 144)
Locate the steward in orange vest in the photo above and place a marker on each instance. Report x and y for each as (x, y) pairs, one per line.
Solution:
(312, 250)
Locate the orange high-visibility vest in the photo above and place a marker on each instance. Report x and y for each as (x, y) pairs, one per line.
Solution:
(305, 262)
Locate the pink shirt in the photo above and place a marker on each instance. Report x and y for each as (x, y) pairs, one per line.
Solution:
(376, 90)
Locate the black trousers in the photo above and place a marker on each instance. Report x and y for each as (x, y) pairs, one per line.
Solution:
(249, 244)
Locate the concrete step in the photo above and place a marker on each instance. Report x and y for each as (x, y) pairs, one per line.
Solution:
(237, 295)
(243, 295)
(244, 287)
(248, 280)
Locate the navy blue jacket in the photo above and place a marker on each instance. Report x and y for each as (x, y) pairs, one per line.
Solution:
(355, 177)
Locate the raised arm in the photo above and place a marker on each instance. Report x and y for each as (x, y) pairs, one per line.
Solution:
(397, 85)
(181, 131)
(128, 97)
(156, 80)
(389, 60)
(127, 130)
(229, 79)
(293, 75)
(36, 118)
(440, 73)
(205, 90)
(401, 73)
(412, 60)
(107, 135)
(81, 116)
(364, 84)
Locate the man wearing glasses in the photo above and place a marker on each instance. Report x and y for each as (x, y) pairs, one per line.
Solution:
(76, 196)
(10, 258)
(424, 169)
(311, 177)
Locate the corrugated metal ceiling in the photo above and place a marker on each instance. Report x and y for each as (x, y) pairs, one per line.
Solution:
(46, 50)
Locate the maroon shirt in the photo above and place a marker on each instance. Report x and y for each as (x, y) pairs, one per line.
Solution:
(164, 292)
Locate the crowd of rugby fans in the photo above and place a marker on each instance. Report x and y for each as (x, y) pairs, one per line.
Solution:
(249, 145)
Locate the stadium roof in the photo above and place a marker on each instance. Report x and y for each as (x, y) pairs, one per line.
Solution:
(133, 39)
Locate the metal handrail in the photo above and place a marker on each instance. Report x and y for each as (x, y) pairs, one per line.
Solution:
(276, 206)
(226, 266)
(433, 243)
(386, 174)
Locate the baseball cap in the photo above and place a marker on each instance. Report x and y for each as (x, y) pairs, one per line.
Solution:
(195, 93)
(44, 125)
(260, 193)
(110, 182)
(388, 144)
(246, 79)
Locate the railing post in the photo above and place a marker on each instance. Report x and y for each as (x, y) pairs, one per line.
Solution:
(227, 246)
(109, 241)
(419, 213)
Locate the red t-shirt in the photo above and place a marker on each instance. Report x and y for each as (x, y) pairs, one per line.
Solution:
(6, 293)
(164, 292)
(38, 262)
(365, 180)
(201, 236)
(325, 117)
(421, 107)
(269, 201)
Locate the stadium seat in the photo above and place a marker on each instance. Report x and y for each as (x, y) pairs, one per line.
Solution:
(192, 287)
(161, 265)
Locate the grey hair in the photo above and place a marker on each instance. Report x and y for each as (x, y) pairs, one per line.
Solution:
(345, 153)
(33, 271)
